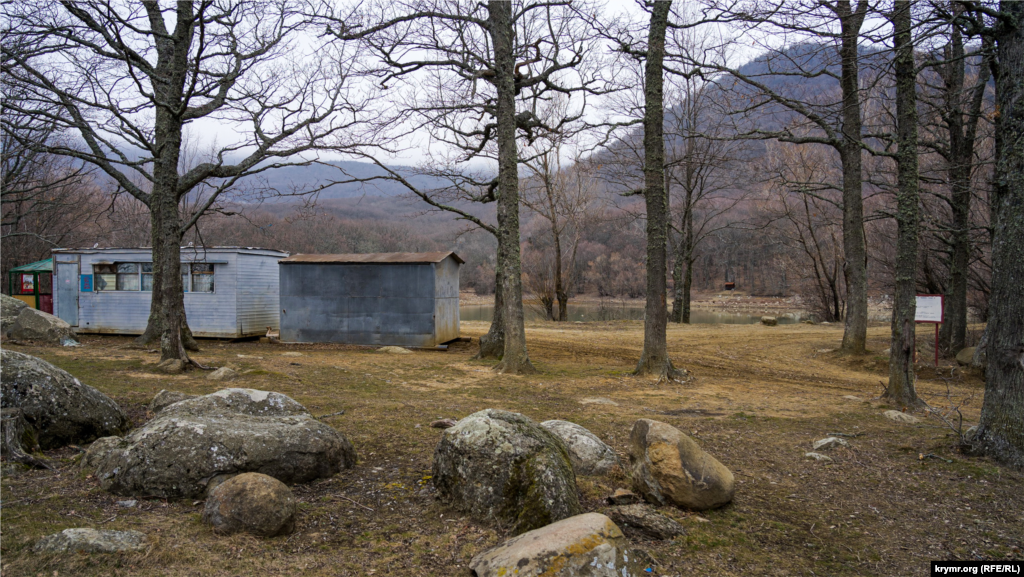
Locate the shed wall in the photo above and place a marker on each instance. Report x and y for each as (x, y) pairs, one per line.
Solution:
(258, 304)
(446, 304)
(368, 304)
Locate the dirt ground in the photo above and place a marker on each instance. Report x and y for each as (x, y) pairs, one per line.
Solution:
(758, 396)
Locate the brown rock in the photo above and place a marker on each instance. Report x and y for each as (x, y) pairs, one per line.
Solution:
(669, 468)
(443, 423)
(252, 503)
(622, 497)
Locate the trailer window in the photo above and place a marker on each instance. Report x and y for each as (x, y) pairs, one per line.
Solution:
(147, 276)
(104, 277)
(127, 276)
(202, 278)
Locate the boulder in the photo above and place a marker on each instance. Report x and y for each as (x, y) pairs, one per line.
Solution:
(829, 443)
(501, 466)
(251, 503)
(769, 321)
(589, 454)
(222, 374)
(60, 408)
(87, 540)
(645, 520)
(194, 442)
(669, 468)
(10, 308)
(166, 398)
(589, 544)
(901, 417)
(394, 350)
(35, 325)
(964, 357)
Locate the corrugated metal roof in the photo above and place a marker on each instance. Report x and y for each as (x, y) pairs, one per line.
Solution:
(38, 266)
(376, 257)
(149, 248)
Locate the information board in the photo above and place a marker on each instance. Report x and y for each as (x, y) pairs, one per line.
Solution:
(929, 309)
(85, 283)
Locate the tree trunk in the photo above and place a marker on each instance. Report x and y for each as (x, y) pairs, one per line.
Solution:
(492, 344)
(515, 359)
(962, 133)
(1001, 430)
(855, 269)
(560, 293)
(654, 356)
(677, 287)
(901, 391)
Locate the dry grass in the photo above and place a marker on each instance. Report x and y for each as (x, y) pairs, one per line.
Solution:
(760, 397)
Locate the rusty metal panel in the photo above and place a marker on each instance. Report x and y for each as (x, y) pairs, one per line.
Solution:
(379, 257)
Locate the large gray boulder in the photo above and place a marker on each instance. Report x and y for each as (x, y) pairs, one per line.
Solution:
(669, 468)
(589, 544)
(196, 441)
(60, 408)
(501, 466)
(10, 308)
(589, 454)
(35, 325)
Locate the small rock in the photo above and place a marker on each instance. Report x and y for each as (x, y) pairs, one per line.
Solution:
(900, 417)
(829, 443)
(825, 350)
(598, 401)
(970, 433)
(769, 321)
(964, 357)
(670, 468)
(589, 454)
(853, 398)
(443, 423)
(127, 504)
(222, 374)
(291, 354)
(817, 457)
(97, 451)
(394, 350)
(249, 357)
(589, 544)
(166, 398)
(622, 497)
(252, 503)
(87, 540)
(646, 520)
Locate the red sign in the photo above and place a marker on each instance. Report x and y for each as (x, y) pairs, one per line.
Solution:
(27, 284)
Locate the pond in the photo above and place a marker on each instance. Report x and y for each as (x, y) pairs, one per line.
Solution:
(621, 311)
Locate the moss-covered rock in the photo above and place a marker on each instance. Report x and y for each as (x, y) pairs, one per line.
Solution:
(502, 467)
(60, 408)
(195, 441)
(588, 545)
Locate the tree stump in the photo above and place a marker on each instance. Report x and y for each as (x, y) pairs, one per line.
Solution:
(17, 433)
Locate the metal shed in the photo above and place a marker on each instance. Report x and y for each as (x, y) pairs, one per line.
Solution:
(230, 292)
(399, 298)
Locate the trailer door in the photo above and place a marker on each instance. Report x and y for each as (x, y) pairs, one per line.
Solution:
(66, 290)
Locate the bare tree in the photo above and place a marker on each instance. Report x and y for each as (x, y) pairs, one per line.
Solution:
(901, 389)
(475, 76)
(127, 78)
(831, 32)
(563, 196)
(1001, 430)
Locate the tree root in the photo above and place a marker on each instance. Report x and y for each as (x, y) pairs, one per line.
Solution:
(15, 430)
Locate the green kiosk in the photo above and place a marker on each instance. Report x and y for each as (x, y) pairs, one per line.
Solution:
(33, 284)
